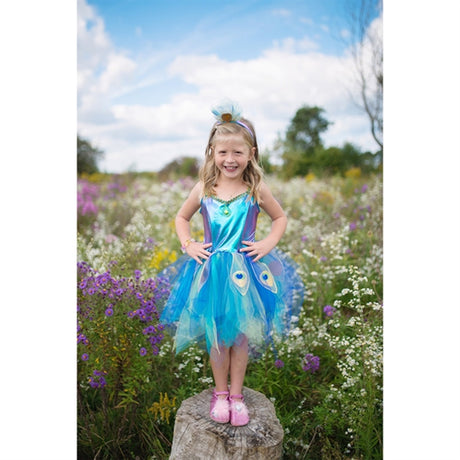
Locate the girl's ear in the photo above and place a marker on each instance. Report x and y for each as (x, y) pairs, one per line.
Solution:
(253, 152)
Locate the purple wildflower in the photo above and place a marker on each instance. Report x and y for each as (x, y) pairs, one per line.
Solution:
(329, 311)
(111, 238)
(364, 188)
(353, 226)
(92, 303)
(98, 379)
(279, 363)
(149, 243)
(310, 363)
(85, 195)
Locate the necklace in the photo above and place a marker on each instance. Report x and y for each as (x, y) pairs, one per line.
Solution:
(229, 196)
(224, 207)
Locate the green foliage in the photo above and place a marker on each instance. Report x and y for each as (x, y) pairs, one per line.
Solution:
(302, 150)
(266, 164)
(87, 157)
(182, 167)
(303, 139)
(304, 132)
(334, 234)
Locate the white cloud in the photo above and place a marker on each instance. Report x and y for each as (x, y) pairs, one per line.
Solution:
(282, 12)
(102, 70)
(345, 33)
(270, 88)
(308, 21)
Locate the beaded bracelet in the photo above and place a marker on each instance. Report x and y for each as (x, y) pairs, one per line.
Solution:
(186, 244)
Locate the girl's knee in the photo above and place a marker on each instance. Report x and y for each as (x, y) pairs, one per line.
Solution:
(241, 342)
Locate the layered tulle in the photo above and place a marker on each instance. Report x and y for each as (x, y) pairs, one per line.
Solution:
(229, 295)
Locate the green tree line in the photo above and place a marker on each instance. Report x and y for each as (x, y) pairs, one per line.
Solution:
(302, 150)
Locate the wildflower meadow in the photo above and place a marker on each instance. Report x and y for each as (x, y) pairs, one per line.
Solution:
(325, 379)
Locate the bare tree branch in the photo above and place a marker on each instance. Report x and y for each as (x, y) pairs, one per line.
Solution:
(366, 47)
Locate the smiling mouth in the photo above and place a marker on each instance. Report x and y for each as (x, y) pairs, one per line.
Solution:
(230, 168)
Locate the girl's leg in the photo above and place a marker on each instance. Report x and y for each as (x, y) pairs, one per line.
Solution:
(220, 364)
(239, 414)
(238, 364)
(220, 405)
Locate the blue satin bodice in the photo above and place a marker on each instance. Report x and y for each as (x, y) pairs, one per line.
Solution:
(228, 223)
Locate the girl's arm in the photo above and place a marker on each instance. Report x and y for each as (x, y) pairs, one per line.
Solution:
(259, 249)
(190, 206)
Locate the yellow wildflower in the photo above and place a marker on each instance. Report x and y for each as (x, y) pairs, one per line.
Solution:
(163, 408)
(353, 173)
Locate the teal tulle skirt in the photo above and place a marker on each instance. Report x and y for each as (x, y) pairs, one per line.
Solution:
(212, 304)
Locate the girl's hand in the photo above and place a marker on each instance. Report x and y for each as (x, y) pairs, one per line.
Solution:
(198, 251)
(257, 249)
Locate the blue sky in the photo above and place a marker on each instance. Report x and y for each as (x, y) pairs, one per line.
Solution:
(149, 71)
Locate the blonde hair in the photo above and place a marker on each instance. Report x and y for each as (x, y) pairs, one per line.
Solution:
(252, 175)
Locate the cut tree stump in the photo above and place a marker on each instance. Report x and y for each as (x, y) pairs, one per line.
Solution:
(198, 437)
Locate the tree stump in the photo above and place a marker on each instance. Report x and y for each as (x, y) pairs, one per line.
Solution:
(198, 437)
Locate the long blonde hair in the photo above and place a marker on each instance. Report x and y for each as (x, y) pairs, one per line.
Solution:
(252, 175)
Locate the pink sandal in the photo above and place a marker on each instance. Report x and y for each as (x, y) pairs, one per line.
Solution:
(238, 410)
(220, 408)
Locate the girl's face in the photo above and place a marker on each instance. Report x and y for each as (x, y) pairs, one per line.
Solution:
(232, 155)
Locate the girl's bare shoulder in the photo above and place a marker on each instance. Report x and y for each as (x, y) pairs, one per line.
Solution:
(265, 192)
(269, 203)
(197, 192)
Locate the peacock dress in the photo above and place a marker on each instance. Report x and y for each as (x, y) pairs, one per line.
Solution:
(213, 303)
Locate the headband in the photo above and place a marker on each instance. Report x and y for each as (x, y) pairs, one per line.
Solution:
(230, 113)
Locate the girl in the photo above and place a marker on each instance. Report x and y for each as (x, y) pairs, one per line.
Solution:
(230, 291)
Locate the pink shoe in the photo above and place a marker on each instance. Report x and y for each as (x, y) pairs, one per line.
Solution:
(238, 410)
(220, 408)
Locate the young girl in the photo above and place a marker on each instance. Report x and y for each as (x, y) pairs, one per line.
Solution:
(230, 292)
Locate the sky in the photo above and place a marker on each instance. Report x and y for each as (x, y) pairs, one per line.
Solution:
(149, 73)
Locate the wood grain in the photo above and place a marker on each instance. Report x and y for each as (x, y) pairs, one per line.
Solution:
(197, 436)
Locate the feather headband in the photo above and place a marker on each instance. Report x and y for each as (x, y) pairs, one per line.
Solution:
(230, 113)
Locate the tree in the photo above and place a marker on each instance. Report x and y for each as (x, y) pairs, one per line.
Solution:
(303, 140)
(87, 157)
(366, 45)
(181, 167)
(337, 160)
